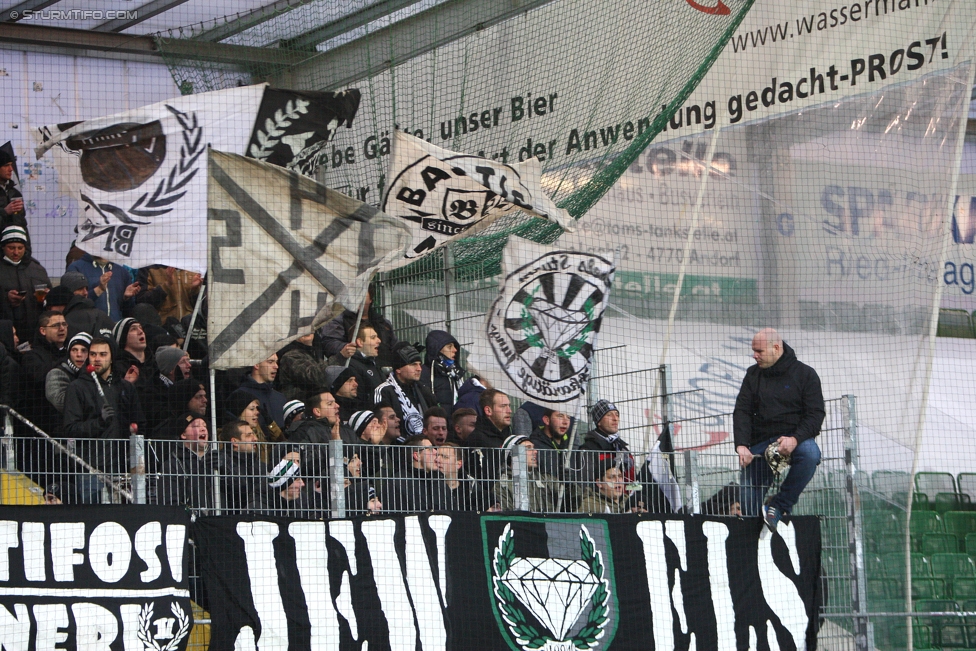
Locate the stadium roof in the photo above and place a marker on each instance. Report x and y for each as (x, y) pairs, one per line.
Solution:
(246, 32)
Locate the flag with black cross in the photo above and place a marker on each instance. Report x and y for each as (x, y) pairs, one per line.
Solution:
(285, 254)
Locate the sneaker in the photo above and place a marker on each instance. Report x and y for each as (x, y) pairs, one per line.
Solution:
(771, 518)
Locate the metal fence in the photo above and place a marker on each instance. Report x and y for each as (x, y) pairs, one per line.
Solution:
(871, 600)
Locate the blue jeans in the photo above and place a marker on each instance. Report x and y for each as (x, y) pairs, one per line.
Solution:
(757, 477)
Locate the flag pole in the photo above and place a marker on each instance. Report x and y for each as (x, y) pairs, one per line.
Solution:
(193, 319)
(359, 321)
(568, 452)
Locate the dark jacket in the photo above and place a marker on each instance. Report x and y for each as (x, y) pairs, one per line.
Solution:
(783, 400)
(23, 277)
(83, 418)
(35, 365)
(598, 449)
(442, 376)
(335, 334)
(486, 435)
(301, 371)
(188, 479)
(242, 476)
(82, 316)
(9, 366)
(8, 192)
(368, 375)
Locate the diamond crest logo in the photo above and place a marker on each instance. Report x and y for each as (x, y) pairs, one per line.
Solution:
(543, 325)
(554, 604)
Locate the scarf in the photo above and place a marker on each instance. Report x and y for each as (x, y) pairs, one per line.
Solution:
(453, 372)
(12, 262)
(413, 422)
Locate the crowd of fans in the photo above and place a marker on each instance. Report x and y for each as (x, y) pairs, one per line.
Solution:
(100, 354)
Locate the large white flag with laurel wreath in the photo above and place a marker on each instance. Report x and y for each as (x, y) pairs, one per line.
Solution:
(538, 339)
(141, 176)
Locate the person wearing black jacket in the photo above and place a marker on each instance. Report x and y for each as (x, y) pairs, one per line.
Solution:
(337, 335)
(603, 443)
(80, 312)
(98, 422)
(441, 373)
(47, 351)
(780, 401)
(493, 427)
(404, 393)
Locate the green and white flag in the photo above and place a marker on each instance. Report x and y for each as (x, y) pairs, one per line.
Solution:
(540, 333)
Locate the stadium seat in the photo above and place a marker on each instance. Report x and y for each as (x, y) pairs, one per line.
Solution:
(938, 543)
(952, 502)
(888, 482)
(927, 588)
(926, 522)
(895, 565)
(966, 483)
(964, 587)
(960, 524)
(949, 566)
(955, 323)
(971, 544)
(933, 483)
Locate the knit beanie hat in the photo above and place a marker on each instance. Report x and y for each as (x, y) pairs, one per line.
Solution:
(360, 420)
(6, 158)
(167, 358)
(73, 281)
(513, 442)
(335, 377)
(283, 474)
(82, 338)
(404, 354)
(601, 409)
(13, 234)
(292, 409)
(120, 332)
(59, 296)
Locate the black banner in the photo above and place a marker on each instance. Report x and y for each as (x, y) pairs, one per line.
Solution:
(94, 577)
(464, 581)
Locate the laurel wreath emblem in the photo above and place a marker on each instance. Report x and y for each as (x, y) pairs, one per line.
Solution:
(275, 128)
(171, 187)
(145, 622)
(525, 633)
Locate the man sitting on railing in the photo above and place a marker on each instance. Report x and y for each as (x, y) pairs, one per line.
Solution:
(780, 402)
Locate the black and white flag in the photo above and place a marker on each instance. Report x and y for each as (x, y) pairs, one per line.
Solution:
(539, 335)
(292, 128)
(285, 254)
(140, 176)
(464, 582)
(444, 195)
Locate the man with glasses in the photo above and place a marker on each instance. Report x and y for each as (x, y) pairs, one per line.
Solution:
(47, 351)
